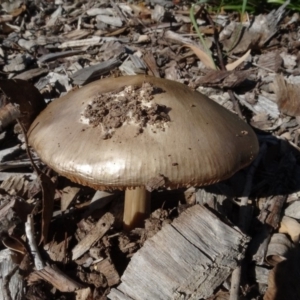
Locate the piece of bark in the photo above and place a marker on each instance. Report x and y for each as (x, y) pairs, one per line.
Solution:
(12, 212)
(264, 104)
(269, 217)
(151, 64)
(107, 268)
(53, 56)
(57, 251)
(30, 74)
(16, 185)
(12, 284)
(189, 258)
(223, 79)
(96, 233)
(86, 75)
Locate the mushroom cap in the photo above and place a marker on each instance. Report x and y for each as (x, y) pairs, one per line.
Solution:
(201, 144)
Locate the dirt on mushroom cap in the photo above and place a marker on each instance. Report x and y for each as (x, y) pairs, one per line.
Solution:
(132, 105)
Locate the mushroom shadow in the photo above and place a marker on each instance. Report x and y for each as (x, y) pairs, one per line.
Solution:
(278, 172)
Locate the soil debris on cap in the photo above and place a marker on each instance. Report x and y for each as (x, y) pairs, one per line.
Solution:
(131, 106)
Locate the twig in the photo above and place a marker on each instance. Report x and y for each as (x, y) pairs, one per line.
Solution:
(235, 283)
(221, 62)
(29, 229)
(244, 217)
(48, 190)
(216, 39)
(34, 166)
(236, 104)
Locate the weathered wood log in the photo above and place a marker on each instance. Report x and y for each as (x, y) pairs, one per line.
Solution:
(187, 259)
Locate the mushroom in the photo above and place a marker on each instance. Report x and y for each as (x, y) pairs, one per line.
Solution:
(139, 133)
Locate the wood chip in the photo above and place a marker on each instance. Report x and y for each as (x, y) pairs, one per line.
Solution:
(96, 233)
(68, 195)
(53, 56)
(85, 75)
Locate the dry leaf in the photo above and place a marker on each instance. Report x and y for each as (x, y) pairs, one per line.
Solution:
(14, 243)
(270, 60)
(204, 57)
(287, 96)
(232, 66)
(223, 79)
(18, 11)
(283, 282)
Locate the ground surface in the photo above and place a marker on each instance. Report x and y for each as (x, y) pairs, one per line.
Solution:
(254, 71)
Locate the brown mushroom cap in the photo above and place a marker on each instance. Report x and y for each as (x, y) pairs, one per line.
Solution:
(202, 143)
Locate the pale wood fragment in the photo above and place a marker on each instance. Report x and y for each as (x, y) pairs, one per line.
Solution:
(84, 294)
(187, 259)
(30, 234)
(278, 248)
(68, 195)
(94, 235)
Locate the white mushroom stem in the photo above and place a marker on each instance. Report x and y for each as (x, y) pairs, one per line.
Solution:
(136, 207)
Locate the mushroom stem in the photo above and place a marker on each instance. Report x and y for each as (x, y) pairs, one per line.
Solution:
(136, 207)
